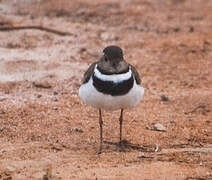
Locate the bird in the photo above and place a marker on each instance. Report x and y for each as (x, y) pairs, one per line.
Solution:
(111, 84)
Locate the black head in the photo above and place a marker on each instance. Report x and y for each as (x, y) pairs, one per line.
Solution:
(112, 61)
(113, 53)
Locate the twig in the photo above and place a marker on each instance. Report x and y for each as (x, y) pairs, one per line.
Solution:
(13, 28)
(196, 108)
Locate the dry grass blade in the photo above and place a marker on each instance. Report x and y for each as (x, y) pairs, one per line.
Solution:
(41, 28)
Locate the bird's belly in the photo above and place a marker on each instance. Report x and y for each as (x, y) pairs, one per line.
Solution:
(91, 96)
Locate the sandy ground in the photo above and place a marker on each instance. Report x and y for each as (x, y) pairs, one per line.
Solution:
(46, 132)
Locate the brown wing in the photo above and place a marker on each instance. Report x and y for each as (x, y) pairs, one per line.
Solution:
(136, 75)
(88, 73)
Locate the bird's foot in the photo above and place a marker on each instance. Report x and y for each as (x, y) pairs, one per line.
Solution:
(121, 146)
(100, 150)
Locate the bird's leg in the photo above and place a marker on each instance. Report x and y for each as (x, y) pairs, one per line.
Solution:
(100, 125)
(120, 121)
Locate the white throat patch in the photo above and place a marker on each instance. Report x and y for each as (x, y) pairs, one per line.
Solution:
(116, 78)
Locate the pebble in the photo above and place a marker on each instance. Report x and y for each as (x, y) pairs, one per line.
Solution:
(55, 93)
(42, 84)
(2, 98)
(108, 37)
(39, 96)
(141, 155)
(78, 130)
(159, 127)
(172, 123)
(164, 98)
(10, 168)
(55, 108)
(1, 129)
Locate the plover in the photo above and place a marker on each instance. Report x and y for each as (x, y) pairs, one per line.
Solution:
(111, 84)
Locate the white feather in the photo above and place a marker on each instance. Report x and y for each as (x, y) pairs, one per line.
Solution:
(91, 96)
(116, 78)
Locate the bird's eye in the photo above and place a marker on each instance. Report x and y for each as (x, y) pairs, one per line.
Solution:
(106, 59)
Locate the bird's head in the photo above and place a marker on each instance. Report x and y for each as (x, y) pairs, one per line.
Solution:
(112, 61)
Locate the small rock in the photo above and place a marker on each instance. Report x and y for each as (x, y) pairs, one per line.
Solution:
(45, 177)
(10, 168)
(55, 93)
(42, 84)
(78, 130)
(164, 98)
(191, 29)
(2, 98)
(55, 108)
(148, 128)
(177, 29)
(156, 148)
(39, 96)
(1, 129)
(141, 155)
(159, 127)
(3, 151)
(108, 37)
(172, 122)
(83, 49)
(2, 111)
(25, 100)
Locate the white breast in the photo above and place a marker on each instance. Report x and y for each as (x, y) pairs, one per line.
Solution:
(91, 96)
(116, 78)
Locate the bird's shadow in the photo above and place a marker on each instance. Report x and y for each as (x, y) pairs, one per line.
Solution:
(126, 145)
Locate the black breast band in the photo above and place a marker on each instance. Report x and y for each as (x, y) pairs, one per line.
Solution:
(111, 88)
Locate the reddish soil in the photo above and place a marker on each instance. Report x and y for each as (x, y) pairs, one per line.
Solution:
(46, 132)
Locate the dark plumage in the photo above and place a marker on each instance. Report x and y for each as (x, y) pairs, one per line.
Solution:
(112, 62)
(111, 88)
(113, 53)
